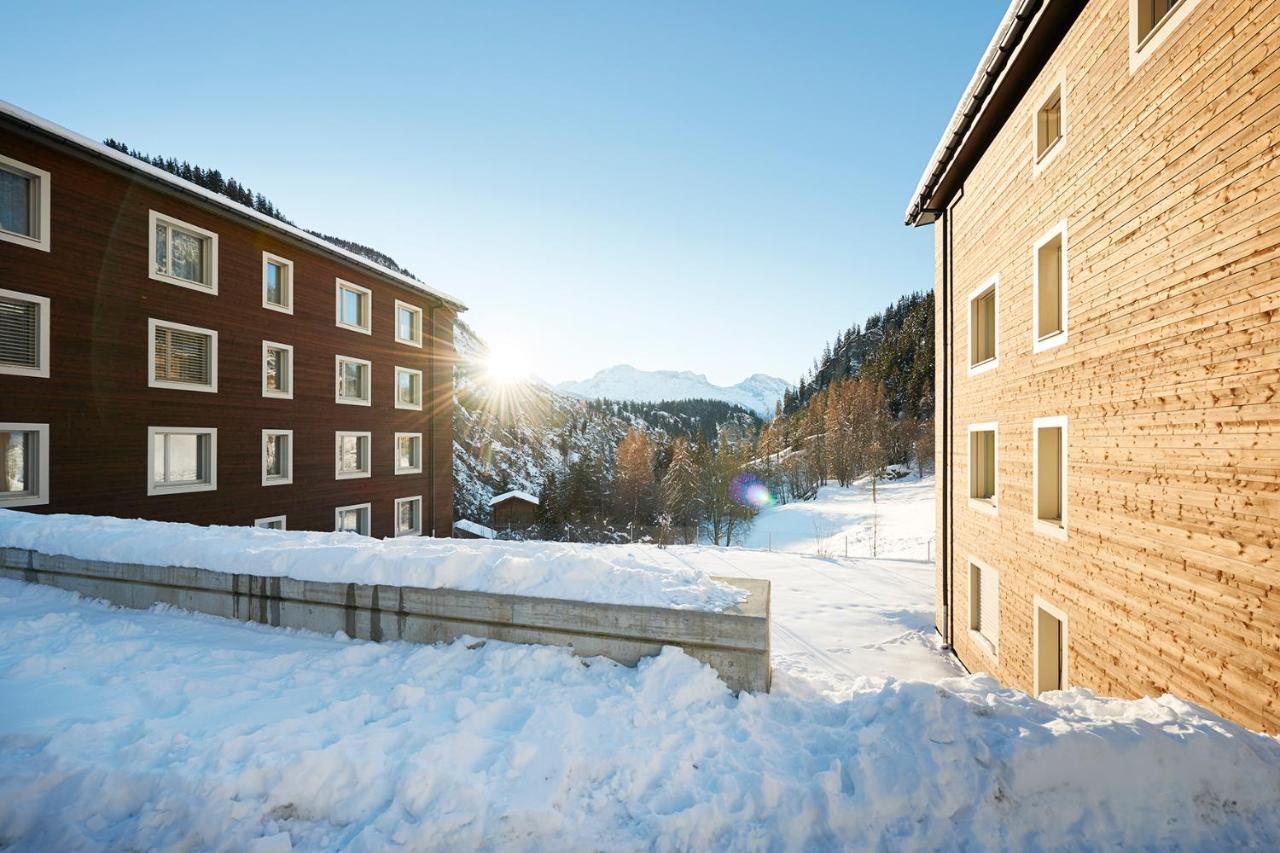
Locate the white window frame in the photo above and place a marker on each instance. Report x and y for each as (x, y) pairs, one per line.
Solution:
(1039, 344)
(367, 400)
(41, 214)
(268, 392)
(41, 370)
(152, 382)
(155, 489)
(396, 462)
(1039, 525)
(287, 479)
(401, 305)
(990, 645)
(1039, 162)
(210, 284)
(414, 532)
(1037, 604)
(40, 496)
(416, 407)
(992, 506)
(368, 517)
(343, 284)
(992, 363)
(287, 265)
(1140, 50)
(338, 473)
(262, 522)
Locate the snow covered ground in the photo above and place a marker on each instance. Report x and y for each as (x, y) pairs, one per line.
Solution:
(164, 729)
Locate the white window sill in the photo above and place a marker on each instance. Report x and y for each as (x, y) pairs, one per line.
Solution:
(184, 282)
(277, 481)
(1041, 163)
(409, 406)
(352, 475)
(347, 401)
(408, 343)
(1051, 529)
(283, 309)
(983, 367)
(183, 386)
(361, 329)
(986, 507)
(984, 644)
(1049, 342)
(13, 501)
(162, 489)
(24, 240)
(417, 470)
(278, 395)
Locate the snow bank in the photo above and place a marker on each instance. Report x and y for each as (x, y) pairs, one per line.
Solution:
(544, 569)
(165, 730)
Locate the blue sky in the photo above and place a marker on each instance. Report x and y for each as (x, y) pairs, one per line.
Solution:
(708, 186)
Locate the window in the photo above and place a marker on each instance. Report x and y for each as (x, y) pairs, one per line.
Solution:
(1049, 309)
(983, 319)
(352, 460)
(24, 465)
(182, 357)
(1050, 464)
(408, 324)
(1050, 127)
(409, 516)
(408, 453)
(353, 381)
(24, 204)
(984, 603)
(1150, 23)
(183, 254)
(982, 466)
(182, 459)
(277, 370)
(24, 334)
(354, 304)
(352, 519)
(1049, 637)
(277, 457)
(274, 522)
(408, 388)
(277, 283)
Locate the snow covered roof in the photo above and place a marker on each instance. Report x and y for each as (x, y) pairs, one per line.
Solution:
(475, 529)
(524, 496)
(140, 167)
(1022, 42)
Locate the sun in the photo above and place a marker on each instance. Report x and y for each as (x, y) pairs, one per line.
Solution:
(505, 366)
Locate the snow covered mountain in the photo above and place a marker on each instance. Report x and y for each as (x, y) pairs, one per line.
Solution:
(758, 392)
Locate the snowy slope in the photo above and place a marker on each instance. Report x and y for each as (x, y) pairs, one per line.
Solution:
(165, 730)
(757, 393)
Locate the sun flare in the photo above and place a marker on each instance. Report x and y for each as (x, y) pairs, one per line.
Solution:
(505, 366)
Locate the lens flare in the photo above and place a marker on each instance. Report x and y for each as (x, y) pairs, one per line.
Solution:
(748, 490)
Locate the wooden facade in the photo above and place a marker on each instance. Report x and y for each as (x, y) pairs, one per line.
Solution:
(97, 401)
(1166, 577)
(514, 511)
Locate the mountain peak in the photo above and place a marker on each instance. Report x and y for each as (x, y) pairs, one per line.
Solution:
(758, 392)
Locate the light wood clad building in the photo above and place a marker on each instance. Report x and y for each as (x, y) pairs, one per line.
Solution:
(1106, 203)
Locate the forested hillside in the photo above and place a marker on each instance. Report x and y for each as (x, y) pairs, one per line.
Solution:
(214, 181)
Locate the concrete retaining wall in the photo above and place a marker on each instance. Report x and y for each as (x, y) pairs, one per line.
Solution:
(735, 643)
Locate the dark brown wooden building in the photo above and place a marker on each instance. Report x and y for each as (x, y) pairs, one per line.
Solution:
(514, 510)
(166, 353)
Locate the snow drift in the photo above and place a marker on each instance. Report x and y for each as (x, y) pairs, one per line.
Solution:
(164, 730)
(542, 569)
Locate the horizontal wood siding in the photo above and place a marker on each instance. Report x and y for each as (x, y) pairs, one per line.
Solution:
(96, 399)
(1169, 180)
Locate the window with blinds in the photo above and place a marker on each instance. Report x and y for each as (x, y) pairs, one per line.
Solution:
(183, 357)
(982, 327)
(21, 335)
(984, 603)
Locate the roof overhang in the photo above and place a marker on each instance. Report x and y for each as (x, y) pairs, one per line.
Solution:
(1025, 39)
(139, 167)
